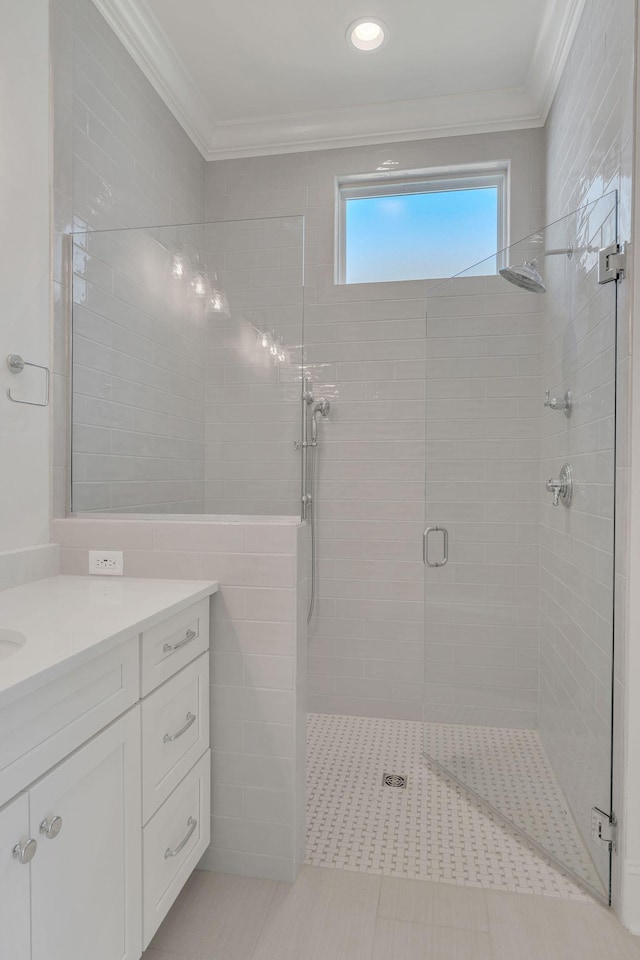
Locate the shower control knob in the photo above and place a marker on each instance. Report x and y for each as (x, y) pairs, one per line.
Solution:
(554, 404)
(562, 488)
(553, 486)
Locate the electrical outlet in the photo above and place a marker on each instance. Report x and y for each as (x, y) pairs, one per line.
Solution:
(109, 563)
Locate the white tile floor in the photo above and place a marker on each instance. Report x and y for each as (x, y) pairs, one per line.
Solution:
(432, 830)
(342, 915)
(510, 770)
(371, 909)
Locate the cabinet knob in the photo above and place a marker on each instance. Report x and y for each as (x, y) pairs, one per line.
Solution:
(51, 828)
(25, 851)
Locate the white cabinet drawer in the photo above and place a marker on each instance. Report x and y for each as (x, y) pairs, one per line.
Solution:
(173, 842)
(42, 728)
(175, 732)
(170, 645)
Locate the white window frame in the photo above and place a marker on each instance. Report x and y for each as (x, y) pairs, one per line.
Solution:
(408, 182)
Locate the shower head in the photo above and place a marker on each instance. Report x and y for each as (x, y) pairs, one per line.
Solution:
(524, 275)
(527, 276)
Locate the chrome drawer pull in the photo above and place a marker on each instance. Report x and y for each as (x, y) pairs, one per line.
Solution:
(189, 636)
(192, 824)
(168, 737)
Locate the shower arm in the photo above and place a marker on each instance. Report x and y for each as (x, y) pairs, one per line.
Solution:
(555, 252)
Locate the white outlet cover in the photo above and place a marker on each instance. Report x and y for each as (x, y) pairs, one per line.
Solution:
(106, 563)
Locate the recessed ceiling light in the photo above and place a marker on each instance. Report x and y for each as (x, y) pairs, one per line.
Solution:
(367, 34)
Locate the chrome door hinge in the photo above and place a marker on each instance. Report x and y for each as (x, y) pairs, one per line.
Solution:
(612, 262)
(604, 828)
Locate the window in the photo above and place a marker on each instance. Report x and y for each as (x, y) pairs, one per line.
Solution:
(421, 226)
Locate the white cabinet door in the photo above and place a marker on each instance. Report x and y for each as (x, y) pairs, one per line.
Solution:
(86, 878)
(14, 880)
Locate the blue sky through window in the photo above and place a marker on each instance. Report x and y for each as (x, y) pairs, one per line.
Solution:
(420, 235)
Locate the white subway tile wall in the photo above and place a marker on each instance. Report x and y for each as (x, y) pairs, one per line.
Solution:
(120, 159)
(258, 670)
(588, 153)
(253, 369)
(138, 377)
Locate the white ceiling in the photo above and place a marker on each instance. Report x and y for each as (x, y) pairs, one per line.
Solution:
(251, 77)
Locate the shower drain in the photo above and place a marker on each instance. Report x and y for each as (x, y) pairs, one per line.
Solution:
(394, 780)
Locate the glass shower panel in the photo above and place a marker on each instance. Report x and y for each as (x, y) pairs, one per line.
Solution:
(187, 352)
(519, 570)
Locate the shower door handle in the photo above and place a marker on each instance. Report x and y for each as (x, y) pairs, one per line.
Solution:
(445, 547)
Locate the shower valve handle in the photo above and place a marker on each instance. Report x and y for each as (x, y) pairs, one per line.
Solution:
(554, 487)
(554, 404)
(562, 488)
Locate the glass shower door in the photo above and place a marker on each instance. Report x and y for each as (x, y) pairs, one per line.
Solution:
(519, 539)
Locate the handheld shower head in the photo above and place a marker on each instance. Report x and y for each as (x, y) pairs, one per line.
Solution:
(322, 407)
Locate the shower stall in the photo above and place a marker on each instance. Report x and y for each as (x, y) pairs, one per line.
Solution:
(458, 480)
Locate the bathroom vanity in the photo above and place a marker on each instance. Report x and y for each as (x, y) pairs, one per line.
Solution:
(104, 761)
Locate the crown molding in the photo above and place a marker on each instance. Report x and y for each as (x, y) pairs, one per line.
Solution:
(137, 29)
(509, 109)
(557, 33)
(377, 123)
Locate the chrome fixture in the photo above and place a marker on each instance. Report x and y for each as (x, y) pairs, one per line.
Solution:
(445, 547)
(16, 364)
(170, 737)
(192, 824)
(566, 404)
(51, 828)
(307, 400)
(172, 647)
(604, 827)
(562, 488)
(25, 851)
(612, 262)
(321, 408)
(527, 276)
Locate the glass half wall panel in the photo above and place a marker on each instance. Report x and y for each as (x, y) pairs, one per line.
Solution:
(187, 352)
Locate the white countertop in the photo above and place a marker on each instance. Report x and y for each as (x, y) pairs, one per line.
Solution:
(67, 620)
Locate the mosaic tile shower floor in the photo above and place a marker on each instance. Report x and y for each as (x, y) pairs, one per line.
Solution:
(431, 830)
